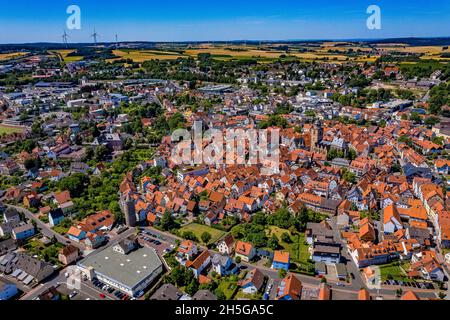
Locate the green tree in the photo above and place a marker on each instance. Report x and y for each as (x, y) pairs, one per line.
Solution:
(206, 236)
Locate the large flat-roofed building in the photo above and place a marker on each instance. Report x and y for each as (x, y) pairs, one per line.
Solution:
(128, 271)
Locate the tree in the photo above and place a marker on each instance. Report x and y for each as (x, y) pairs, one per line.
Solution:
(282, 273)
(238, 259)
(75, 183)
(273, 242)
(167, 221)
(285, 237)
(192, 287)
(189, 235)
(206, 236)
(219, 294)
(101, 152)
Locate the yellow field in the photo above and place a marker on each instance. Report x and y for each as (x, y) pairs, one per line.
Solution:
(429, 52)
(64, 54)
(7, 56)
(144, 55)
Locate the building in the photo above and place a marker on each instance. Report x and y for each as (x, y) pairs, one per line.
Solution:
(245, 251)
(223, 265)
(23, 232)
(290, 288)
(281, 260)
(200, 263)
(253, 282)
(68, 254)
(55, 217)
(226, 245)
(130, 273)
(167, 292)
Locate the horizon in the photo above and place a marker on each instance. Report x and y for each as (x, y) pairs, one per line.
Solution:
(149, 21)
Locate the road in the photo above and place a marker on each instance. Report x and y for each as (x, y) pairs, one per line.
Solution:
(313, 282)
(46, 230)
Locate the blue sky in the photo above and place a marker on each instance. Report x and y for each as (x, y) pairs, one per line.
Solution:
(201, 20)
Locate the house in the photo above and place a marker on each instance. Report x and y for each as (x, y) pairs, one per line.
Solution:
(199, 263)
(7, 290)
(281, 260)
(223, 265)
(186, 251)
(245, 251)
(11, 215)
(391, 219)
(37, 269)
(253, 282)
(409, 295)
(68, 254)
(204, 295)
(167, 292)
(23, 232)
(226, 245)
(76, 234)
(290, 288)
(55, 217)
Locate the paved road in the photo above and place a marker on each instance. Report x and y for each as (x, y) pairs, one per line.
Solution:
(311, 281)
(46, 230)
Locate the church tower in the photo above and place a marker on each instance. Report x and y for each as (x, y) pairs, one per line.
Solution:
(129, 211)
(316, 135)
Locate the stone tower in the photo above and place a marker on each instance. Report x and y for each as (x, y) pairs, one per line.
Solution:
(129, 211)
(316, 135)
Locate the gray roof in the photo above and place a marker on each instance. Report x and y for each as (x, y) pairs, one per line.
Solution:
(127, 269)
(204, 295)
(167, 292)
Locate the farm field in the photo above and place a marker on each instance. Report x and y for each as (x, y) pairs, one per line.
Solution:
(64, 55)
(9, 129)
(7, 56)
(199, 229)
(144, 55)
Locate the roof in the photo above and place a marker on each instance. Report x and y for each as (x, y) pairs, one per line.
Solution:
(243, 248)
(290, 286)
(391, 212)
(363, 294)
(204, 295)
(198, 262)
(409, 295)
(167, 292)
(281, 257)
(62, 197)
(129, 270)
(254, 277)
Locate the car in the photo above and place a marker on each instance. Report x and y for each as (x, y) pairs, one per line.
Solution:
(101, 295)
(340, 284)
(352, 275)
(73, 294)
(66, 275)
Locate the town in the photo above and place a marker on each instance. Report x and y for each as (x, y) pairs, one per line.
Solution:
(93, 207)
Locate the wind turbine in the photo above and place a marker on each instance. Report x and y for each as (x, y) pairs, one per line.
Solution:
(117, 41)
(65, 36)
(94, 35)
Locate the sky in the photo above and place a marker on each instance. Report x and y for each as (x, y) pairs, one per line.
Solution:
(24, 21)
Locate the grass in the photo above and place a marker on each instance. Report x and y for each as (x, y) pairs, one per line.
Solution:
(47, 252)
(298, 249)
(228, 288)
(64, 55)
(9, 129)
(394, 272)
(199, 229)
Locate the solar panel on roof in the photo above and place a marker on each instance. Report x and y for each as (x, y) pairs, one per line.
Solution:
(16, 273)
(28, 280)
(22, 276)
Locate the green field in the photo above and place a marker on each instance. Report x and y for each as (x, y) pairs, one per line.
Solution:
(199, 229)
(393, 272)
(8, 130)
(228, 288)
(298, 248)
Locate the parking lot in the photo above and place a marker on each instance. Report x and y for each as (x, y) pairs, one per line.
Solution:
(418, 285)
(151, 240)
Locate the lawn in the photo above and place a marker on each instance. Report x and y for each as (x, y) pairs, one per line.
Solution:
(298, 248)
(394, 272)
(47, 252)
(9, 129)
(199, 229)
(228, 288)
